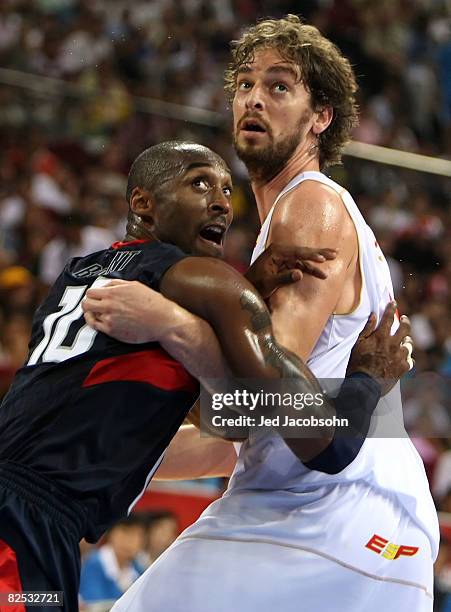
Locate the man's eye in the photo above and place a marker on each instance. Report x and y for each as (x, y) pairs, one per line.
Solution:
(227, 191)
(200, 183)
(244, 85)
(280, 88)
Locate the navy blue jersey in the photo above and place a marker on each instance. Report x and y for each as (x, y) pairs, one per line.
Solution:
(89, 412)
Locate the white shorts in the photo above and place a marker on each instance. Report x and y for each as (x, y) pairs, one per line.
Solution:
(372, 559)
(206, 576)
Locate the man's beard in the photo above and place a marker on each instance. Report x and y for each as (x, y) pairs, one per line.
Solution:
(264, 163)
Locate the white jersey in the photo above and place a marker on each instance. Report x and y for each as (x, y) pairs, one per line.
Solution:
(390, 465)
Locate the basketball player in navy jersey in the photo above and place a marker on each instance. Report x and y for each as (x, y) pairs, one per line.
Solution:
(88, 418)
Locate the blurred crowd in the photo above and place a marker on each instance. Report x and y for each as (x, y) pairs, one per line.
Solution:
(87, 85)
(123, 554)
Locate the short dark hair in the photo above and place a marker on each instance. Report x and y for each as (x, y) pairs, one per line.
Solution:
(150, 518)
(162, 162)
(326, 73)
(132, 520)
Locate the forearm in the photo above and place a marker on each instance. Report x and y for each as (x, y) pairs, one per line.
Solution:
(239, 318)
(355, 405)
(242, 324)
(191, 456)
(192, 342)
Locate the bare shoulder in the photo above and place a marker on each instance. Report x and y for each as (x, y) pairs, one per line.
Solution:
(314, 214)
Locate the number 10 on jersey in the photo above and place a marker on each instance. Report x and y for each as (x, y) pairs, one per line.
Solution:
(56, 327)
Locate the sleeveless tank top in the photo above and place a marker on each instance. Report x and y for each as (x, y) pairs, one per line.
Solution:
(388, 464)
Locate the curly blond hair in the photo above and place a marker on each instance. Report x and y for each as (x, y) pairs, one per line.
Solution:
(325, 72)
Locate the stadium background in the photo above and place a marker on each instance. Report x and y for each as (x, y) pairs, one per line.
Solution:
(86, 85)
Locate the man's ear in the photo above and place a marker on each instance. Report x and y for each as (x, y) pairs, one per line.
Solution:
(322, 119)
(142, 203)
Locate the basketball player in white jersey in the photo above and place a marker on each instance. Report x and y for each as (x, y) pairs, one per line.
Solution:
(343, 534)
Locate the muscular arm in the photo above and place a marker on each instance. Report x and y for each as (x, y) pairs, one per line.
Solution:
(191, 341)
(134, 314)
(314, 214)
(191, 456)
(216, 292)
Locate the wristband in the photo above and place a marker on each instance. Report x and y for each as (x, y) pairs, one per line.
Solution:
(356, 402)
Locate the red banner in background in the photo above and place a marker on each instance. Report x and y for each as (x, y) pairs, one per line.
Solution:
(445, 525)
(187, 503)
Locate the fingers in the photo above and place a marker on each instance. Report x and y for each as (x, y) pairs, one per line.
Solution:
(115, 282)
(407, 344)
(286, 278)
(296, 275)
(98, 293)
(403, 330)
(402, 336)
(305, 254)
(313, 254)
(101, 326)
(328, 254)
(404, 365)
(90, 319)
(369, 326)
(312, 270)
(290, 253)
(101, 292)
(95, 305)
(98, 323)
(387, 318)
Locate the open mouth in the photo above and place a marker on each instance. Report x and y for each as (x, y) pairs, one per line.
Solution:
(250, 125)
(213, 233)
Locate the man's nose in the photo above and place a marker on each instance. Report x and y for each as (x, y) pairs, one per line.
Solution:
(254, 99)
(220, 203)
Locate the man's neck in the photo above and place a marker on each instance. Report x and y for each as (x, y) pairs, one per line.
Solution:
(266, 193)
(137, 229)
(133, 237)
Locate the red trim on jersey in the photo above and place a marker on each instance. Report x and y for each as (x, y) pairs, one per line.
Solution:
(155, 367)
(9, 576)
(120, 244)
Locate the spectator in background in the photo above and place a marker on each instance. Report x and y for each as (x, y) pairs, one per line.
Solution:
(161, 529)
(443, 564)
(441, 486)
(442, 595)
(17, 291)
(109, 571)
(76, 239)
(425, 413)
(17, 303)
(86, 548)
